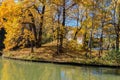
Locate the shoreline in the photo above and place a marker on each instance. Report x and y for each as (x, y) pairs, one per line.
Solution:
(64, 63)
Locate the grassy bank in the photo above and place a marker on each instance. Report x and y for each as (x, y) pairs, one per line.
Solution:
(47, 53)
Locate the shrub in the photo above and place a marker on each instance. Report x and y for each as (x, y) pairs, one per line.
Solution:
(73, 45)
(113, 56)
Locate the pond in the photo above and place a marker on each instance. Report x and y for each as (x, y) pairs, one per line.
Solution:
(21, 70)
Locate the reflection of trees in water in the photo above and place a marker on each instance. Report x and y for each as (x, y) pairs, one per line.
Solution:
(0, 68)
(72, 73)
(11, 72)
(111, 72)
(15, 70)
(22, 71)
(4, 75)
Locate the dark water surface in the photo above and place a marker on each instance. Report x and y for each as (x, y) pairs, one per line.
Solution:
(20, 70)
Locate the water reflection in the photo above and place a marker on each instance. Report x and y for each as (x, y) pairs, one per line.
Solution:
(17, 70)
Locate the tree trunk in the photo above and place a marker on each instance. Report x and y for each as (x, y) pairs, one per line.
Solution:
(117, 26)
(118, 30)
(35, 33)
(90, 42)
(58, 34)
(33, 27)
(101, 43)
(84, 40)
(75, 36)
(63, 25)
(109, 41)
(117, 42)
(39, 40)
(32, 49)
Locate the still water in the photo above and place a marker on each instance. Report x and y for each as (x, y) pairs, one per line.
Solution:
(20, 70)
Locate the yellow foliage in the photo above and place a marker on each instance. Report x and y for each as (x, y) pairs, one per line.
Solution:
(11, 18)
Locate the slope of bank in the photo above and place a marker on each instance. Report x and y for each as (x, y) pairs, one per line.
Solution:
(47, 53)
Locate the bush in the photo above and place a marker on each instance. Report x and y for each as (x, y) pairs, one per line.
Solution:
(73, 45)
